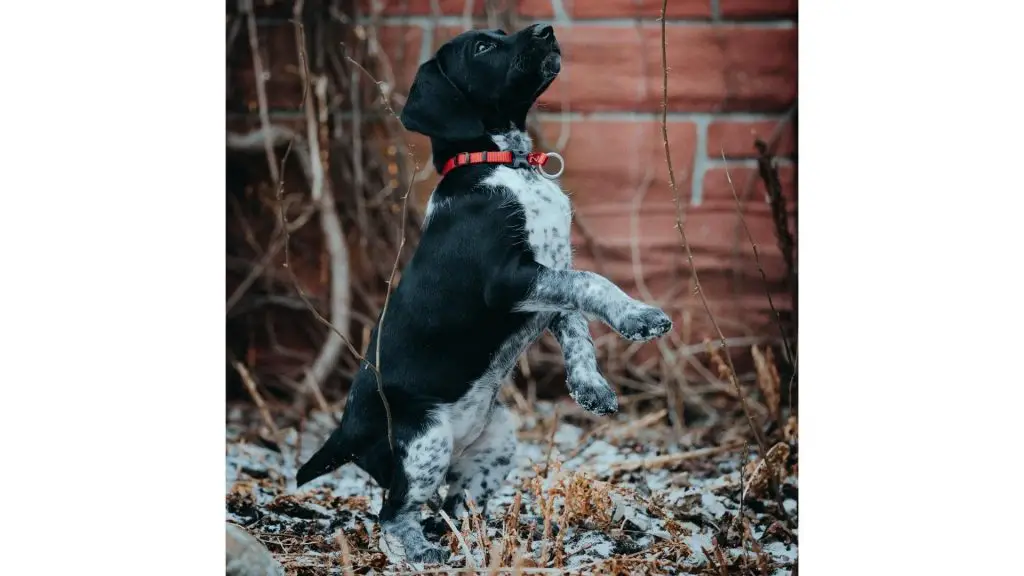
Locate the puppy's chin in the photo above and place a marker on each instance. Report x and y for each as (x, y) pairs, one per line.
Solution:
(551, 65)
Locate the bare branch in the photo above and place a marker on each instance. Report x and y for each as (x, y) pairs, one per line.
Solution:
(686, 244)
(757, 260)
(656, 462)
(250, 385)
(261, 90)
(401, 243)
(316, 170)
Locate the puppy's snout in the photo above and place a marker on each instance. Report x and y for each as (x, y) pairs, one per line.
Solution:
(543, 31)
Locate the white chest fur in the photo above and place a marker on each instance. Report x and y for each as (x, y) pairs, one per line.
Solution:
(545, 207)
(548, 218)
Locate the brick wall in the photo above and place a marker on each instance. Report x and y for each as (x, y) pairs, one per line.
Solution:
(732, 78)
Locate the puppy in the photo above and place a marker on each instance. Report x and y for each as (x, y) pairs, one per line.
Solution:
(492, 271)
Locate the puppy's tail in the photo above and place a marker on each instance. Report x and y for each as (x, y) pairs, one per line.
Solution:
(335, 453)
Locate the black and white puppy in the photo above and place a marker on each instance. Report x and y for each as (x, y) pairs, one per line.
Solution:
(492, 271)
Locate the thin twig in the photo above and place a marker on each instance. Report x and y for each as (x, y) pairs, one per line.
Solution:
(346, 554)
(401, 243)
(261, 90)
(686, 244)
(656, 462)
(551, 441)
(748, 188)
(284, 227)
(250, 385)
(757, 260)
(462, 541)
(674, 397)
(770, 175)
(334, 235)
(739, 516)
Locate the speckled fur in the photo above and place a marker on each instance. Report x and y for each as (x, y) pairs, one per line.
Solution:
(424, 465)
(484, 465)
(596, 296)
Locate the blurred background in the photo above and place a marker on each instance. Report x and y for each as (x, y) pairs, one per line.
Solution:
(335, 162)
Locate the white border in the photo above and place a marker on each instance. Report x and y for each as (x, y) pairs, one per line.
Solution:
(113, 287)
(910, 141)
(112, 292)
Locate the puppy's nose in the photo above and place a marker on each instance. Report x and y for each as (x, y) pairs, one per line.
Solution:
(543, 31)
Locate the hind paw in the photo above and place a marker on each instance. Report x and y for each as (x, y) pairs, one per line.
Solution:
(429, 555)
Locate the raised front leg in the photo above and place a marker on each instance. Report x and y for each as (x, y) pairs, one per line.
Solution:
(583, 378)
(590, 293)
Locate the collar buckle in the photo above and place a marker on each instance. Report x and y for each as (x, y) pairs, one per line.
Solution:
(521, 160)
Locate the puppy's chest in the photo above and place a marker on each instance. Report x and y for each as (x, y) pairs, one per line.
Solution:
(547, 216)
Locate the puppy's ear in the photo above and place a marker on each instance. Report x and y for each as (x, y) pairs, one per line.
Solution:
(436, 108)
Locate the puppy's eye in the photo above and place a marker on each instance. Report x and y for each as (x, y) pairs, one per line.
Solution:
(482, 47)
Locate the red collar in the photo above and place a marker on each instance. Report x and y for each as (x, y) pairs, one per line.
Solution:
(533, 159)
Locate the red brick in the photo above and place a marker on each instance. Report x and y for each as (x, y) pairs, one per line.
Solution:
(421, 7)
(722, 255)
(538, 8)
(733, 287)
(606, 162)
(402, 45)
(442, 34)
(737, 138)
(637, 8)
(712, 68)
(721, 249)
(716, 190)
(279, 57)
(282, 9)
(542, 8)
(757, 9)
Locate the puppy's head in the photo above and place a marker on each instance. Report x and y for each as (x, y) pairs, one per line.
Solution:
(482, 80)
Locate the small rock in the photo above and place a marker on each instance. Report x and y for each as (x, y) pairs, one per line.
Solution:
(247, 556)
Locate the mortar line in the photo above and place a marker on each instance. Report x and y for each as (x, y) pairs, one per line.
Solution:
(560, 13)
(575, 116)
(700, 160)
(644, 21)
(426, 42)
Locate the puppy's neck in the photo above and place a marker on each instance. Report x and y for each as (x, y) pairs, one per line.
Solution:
(514, 139)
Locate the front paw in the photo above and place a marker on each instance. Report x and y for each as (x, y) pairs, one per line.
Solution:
(594, 395)
(643, 322)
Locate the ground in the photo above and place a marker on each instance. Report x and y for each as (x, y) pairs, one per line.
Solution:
(618, 495)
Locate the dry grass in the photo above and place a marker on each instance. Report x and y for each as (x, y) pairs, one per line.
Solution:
(631, 502)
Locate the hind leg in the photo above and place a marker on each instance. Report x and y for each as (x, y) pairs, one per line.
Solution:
(422, 462)
(484, 465)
